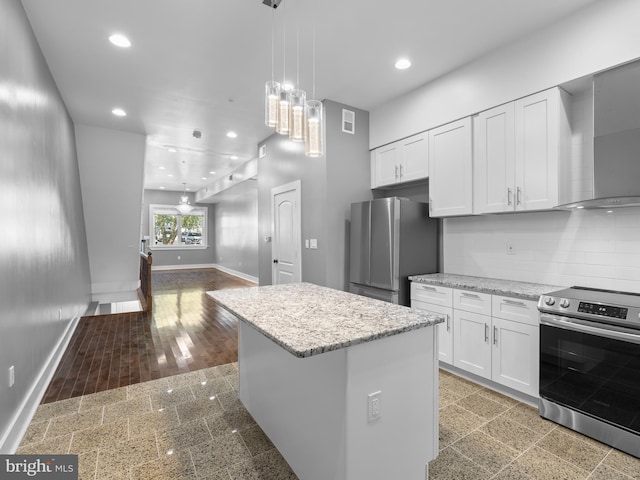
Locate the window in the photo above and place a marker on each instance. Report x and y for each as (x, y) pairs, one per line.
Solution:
(170, 229)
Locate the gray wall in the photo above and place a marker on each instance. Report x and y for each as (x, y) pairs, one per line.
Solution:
(43, 255)
(166, 258)
(111, 166)
(328, 187)
(236, 228)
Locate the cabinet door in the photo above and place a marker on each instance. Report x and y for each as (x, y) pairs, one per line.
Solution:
(471, 342)
(386, 165)
(493, 161)
(536, 150)
(415, 160)
(450, 181)
(515, 355)
(445, 330)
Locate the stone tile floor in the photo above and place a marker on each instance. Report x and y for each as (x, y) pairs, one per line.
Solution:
(192, 426)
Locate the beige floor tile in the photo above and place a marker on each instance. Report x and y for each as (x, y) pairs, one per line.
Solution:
(100, 436)
(53, 445)
(176, 466)
(256, 440)
(482, 406)
(498, 397)
(105, 397)
(512, 472)
(171, 396)
(129, 408)
(186, 379)
(158, 420)
(117, 459)
(87, 463)
(219, 453)
(623, 463)
(228, 369)
(230, 400)
(573, 449)
(196, 409)
(226, 422)
(607, 473)
(211, 388)
(57, 409)
(458, 385)
(447, 436)
(266, 466)
(233, 380)
(35, 432)
(485, 451)
(529, 417)
(73, 422)
(452, 465)
(512, 434)
(447, 397)
(459, 420)
(147, 388)
(183, 436)
(543, 465)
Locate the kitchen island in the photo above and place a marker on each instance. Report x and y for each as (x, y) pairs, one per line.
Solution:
(346, 387)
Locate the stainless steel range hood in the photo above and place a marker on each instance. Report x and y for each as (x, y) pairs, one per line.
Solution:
(616, 170)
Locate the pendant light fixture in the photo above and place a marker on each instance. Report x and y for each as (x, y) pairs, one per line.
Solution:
(284, 106)
(272, 88)
(297, 97)
(184, 206)
(314, 113)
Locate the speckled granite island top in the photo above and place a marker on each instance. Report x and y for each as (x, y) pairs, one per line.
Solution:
(306, 319)
(509, 288)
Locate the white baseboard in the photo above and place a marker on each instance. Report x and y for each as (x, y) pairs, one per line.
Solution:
(230, 271)
(250, 278)
(182, 267)
(18, 426)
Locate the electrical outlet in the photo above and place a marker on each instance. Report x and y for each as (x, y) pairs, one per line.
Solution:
(511, 248)
(373, 406)
(12, 376)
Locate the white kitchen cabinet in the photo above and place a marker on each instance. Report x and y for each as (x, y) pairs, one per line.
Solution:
(437, 300)
(400, 162)
(521, 151)
(471, 343)
(450, 169)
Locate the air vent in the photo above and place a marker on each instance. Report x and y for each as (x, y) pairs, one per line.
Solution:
(262, 151)
(348, 121)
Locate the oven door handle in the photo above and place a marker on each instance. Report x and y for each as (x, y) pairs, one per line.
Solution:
(582, 327)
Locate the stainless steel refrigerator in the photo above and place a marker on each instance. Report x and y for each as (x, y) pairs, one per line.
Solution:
(391, 238)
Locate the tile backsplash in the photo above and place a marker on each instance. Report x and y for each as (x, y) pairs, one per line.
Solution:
(585, 247)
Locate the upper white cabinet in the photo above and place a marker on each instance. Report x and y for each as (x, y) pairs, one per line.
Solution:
(400, 162)
(519, 151)
(450, 169)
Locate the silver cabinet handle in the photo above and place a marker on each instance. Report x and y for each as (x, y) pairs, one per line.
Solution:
(518, 200)
(430, 205)
(509, 195)
(428, 287)
(515, 303)
(448, 325)
(495, 335)
(486, 332)
(400, 170)
(469, 295)
(396, 171)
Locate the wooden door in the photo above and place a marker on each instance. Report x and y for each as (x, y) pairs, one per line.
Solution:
(285, 250)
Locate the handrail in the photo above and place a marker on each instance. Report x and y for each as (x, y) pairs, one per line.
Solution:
(144, 292)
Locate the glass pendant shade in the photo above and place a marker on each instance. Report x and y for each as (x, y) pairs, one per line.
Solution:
(184, 206)
(296, 120)
(314, 129)
(271, 97)
(284, 111)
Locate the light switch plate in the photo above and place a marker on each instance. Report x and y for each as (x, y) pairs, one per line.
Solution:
(313, 243)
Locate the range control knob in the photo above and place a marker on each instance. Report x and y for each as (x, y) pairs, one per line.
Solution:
(549, 301)
(564, 303)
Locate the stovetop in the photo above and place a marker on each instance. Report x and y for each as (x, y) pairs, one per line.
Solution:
(598, 305)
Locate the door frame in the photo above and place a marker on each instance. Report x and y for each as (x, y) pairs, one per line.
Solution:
(294, 186)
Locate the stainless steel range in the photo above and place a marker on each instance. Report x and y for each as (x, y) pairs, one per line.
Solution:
(590, 364)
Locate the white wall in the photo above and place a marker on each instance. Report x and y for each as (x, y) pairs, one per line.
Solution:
(588, 247)
(596, 38)
(111, 173)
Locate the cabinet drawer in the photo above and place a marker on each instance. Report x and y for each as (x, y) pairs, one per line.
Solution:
(470, 301)
(516, 309)
(431, 294)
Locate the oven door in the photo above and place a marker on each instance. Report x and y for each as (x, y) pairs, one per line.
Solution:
(592, 369)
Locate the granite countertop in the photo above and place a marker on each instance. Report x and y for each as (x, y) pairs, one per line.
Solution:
(508, 288)
(306, 319)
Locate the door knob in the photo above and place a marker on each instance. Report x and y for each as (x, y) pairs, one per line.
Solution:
(275, 260)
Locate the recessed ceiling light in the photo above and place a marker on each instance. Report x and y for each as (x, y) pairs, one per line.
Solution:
(187, 188)
(161, 188)
(170, 175)
(403, 63)
(212, 173)
(232, 134)
(234, 157)
(120, 40)
(118, 112)
(204, 178)
(172, 150)
(161, 168)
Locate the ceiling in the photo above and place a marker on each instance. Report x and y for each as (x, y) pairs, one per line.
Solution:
(202, 64)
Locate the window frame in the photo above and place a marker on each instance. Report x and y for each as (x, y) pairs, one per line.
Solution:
(156, 208)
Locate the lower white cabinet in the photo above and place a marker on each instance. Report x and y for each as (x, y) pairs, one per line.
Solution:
(471, 344)
(445, 329)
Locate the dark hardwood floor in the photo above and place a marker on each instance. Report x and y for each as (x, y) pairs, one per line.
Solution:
(186, 331)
